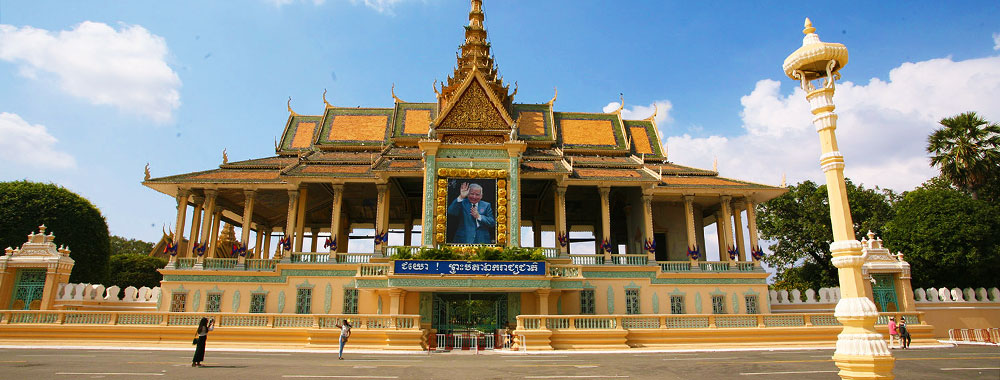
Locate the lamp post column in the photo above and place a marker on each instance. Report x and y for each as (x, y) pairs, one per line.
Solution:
(861, 352)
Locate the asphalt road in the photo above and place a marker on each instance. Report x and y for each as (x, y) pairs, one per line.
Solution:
(962, 362)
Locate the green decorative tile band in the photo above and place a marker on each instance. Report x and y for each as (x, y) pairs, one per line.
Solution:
(472, 153)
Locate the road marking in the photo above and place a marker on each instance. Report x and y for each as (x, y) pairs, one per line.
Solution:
(578, 377)
(557, 365)
(339, 377)
(74, 356)
(959, 358)
(971, 369)
(110, 373)
(701, 358)
(13, 361)
(783, 373)
(542, 360)
(366, 366)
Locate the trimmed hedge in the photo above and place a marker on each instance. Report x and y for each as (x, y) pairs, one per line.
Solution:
(481, 253)
(75, 221)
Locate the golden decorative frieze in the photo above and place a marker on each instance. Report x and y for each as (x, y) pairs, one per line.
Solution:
(473, 139)
(474, 110)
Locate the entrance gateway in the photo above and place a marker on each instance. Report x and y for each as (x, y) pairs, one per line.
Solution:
(471, 320)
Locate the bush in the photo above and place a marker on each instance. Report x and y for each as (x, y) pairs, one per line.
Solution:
(75, 222)
(135, 270)
(480, 253)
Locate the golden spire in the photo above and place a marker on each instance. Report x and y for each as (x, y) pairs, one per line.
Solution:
(474, 55)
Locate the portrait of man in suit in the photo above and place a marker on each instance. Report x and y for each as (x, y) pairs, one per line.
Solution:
(471, 219)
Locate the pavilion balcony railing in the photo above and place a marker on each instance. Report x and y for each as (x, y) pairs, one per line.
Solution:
(185, 263)
(675, 266)
(587, 259)
(217, 263)
(354, 258)
(629, 259)
(309, 257)
(714, 266)
(373, 270)
(550, 253)
(261, 264)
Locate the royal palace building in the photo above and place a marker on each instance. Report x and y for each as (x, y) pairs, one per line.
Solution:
(471, 169)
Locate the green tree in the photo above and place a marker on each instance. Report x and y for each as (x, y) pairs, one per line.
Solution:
(75, 222)
(135, 270)
(799, 223)
(967, 151)
(949, 238)
(122, 246)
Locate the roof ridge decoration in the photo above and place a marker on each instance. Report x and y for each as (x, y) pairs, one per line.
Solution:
(393, 92)
(474, 55)
(475, 108)
(555, 94)
(290, 112)
(326, 103)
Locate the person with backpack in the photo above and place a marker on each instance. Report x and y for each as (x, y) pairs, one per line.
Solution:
(904, 335)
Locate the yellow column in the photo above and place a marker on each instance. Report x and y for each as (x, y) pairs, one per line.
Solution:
(266, 251)
(692, 239)
(314, 236)
(752, 226)
(182, 201)
(206, 223)
(194, 236)
(727, 229)
(257, 248)
(338, 201)
(861, 352)
(300, 220)
(293, 197)
(382, 216)
(216, 224)
(741, 250)
(248, 196)
(647, 224)
(561, 228)
(394, 295)
(605, 221)
(543, 301)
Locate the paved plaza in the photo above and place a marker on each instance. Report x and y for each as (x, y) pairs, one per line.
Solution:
(962, 362)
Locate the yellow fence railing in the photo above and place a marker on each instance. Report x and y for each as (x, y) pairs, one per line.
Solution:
(318, 321)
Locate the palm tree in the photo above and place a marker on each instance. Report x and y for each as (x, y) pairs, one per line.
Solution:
(966, 150)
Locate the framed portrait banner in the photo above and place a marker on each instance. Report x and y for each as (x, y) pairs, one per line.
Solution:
(471, 206)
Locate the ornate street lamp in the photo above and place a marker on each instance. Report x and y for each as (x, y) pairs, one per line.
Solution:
(861, 351)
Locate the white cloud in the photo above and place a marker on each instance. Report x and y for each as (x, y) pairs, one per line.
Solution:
(281, 3)
(123, 68)
(996, 41)
(882, 127)
(381, 6)
(31, 145)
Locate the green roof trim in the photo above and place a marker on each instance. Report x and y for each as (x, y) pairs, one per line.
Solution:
(651, 134)
(546, 111)
(399, 118)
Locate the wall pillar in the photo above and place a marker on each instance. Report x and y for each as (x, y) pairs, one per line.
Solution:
(752, 226)
(206, 223)
(605, 221)
(266, 251)
(194, 236)
(395, 296)
(720, 233)
(248, 202)
(257, 248)
(692, 239)
(543, 301)
(182, 201)
(647, 224)
(561, 228)
(300, 219)
(216, 224)
(382, 217)
(335, 209)
(741, 249)
(727, 229)
(293, 198)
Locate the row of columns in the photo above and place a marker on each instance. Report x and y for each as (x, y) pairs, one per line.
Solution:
(731, 239)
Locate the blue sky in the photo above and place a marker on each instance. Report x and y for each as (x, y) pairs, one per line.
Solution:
(90, 91)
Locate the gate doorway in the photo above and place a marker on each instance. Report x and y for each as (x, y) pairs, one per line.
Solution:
(467, 321)
(29, 289)
(884, 292)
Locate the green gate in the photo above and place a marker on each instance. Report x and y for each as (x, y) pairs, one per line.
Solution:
(884, 292)
(29, 289)
(463, 312)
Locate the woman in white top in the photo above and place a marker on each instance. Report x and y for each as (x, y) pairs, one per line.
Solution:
(345, 332)
(204, 327)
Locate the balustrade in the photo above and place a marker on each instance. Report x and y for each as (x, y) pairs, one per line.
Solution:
(675, 266)
(220, 263)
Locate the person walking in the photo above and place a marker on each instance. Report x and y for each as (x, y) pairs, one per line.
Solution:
(893, 332)
(345, 332)
(904, 335)
(204, 327)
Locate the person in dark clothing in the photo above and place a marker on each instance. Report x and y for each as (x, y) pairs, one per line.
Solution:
(204, 326)
(904, 335)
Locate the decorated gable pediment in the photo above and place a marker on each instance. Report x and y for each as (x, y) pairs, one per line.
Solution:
(475, 109)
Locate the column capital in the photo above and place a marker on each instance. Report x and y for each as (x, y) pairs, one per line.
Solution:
(250, 193)
(381, 187)
(198, 200)
(726, 198)
(561, 190)
(293, 193)
(211, 193)
(183, 192)
(688, 198)
(604, 190)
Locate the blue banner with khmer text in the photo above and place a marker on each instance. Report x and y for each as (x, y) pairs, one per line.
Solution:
(493, 268)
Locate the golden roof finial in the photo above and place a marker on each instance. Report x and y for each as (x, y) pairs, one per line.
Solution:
(715, 164)
(656, 110)
(326, 103)
(783, 184)
(808, 27)
(290, 107)
(621, 105)
(515, 88)
(147, 172)
(225, 157)
(437, 94)
(393, 91)
(556, 94)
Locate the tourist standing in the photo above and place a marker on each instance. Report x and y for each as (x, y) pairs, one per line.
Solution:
(204, 327)
(904, 335)
(345, 332)
(893, 332)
